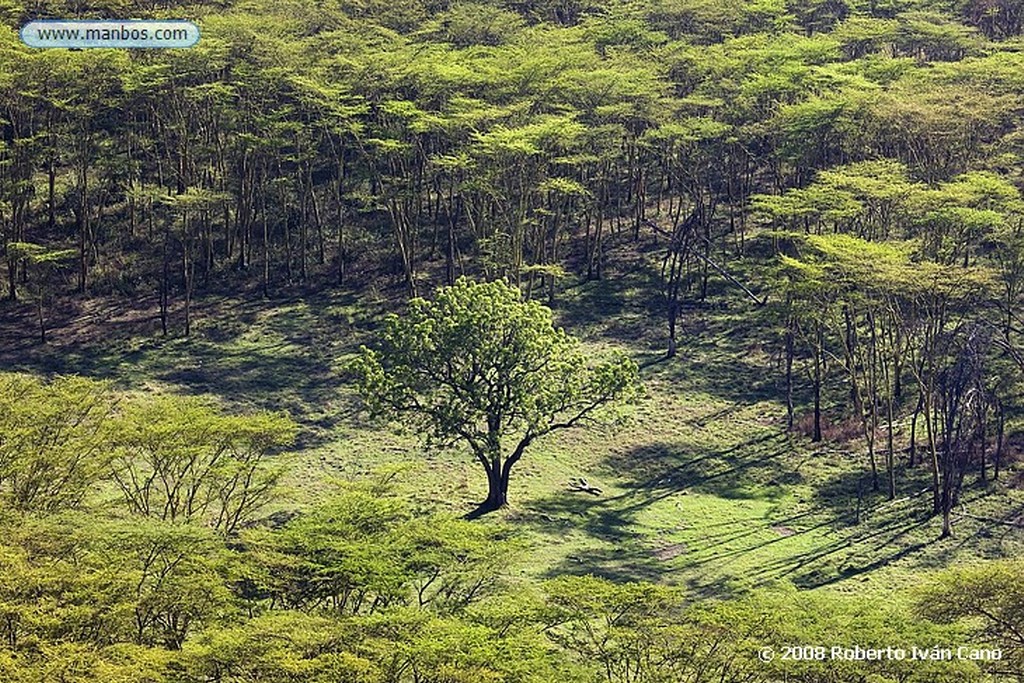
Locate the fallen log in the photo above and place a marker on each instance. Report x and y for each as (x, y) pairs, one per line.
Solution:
(580, 485)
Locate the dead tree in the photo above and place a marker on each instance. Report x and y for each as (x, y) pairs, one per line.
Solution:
(689, 245)
(963, 406)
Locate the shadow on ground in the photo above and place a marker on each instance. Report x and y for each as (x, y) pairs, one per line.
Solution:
(649, 476)
(732, 518)
(250, 355)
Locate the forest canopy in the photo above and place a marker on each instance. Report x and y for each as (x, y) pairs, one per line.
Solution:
(799, 222)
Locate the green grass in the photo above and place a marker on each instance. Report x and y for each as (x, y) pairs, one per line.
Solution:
(702, 486)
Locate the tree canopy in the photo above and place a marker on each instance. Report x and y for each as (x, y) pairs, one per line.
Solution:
(479, 366)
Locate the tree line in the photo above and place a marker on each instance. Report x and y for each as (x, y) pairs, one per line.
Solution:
(509, 140)
(906, 292)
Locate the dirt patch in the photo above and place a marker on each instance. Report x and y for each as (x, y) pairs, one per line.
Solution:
(669, 551)
(783, 531)
(841, 431)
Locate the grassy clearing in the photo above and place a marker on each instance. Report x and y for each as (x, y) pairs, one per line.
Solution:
(701, 485)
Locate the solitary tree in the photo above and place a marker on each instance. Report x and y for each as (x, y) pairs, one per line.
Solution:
(481, 367)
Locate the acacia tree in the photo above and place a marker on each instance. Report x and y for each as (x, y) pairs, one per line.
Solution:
(44, 262)
(178, 459)
(53, 439)
(989, 598)
(481, 367)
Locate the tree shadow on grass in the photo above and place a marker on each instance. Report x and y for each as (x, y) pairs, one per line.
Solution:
(623, 563)
(612, 549)
(851, 487)
(901, 530)
(251, 355)
(848, 493)
(625, 309)
(817, 542)
(731, 366)
(861, 549)
(267, 378)
(754, 469)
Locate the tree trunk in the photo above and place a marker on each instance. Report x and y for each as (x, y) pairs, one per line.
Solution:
(12, 277)
(890, 455)
(449, 254)
(42, 319)
(497, 490)
(83, 228)
(165, 275)
(789, 376)
(1000, 429)
(672, 347)
(265, 274)
(51, 202)
(913, 431)
(498, 474)
(933, 455)
(816, 438)
(188, 273)
(947, 526)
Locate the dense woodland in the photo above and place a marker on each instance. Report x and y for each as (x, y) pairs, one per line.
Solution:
(848, 171)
